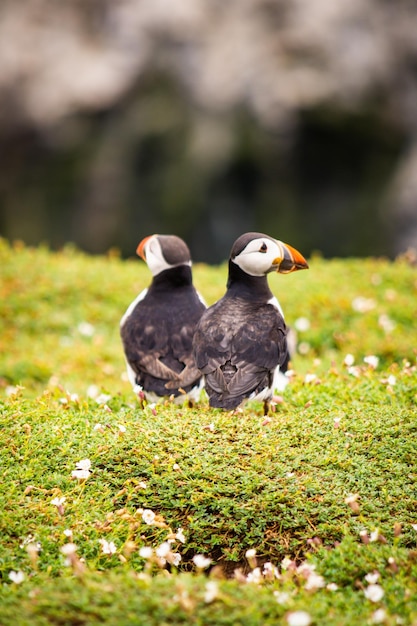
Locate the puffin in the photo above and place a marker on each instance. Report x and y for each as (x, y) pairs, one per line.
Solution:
(240, 343)
(158, 327)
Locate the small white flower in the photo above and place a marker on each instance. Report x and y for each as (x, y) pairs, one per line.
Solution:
(86, 329)
(81, 474)
(414, 527)
(58, 501)
(146, 552)
(122, 429)
(255, 576)
(179, 535)
(99, 427)
(332, 587)
(17, 577)
(303, 347)
(107, 547)
(11, 390)
(174, 558)
(69, 548)
(163, 550)
(391, 380)
(84, 464)
(314, 582)
(363, 305)
(374, 593)
(309, 378)
(372, 577)
(371, 360)
(251, 553)
(142, 485)
(282, 597)
(201, 561)
(270, 571)
(386, 323)
(298, 618)
(374, 535)
(212, 591)
(379, 616)
(286, 562)
(349, 360)
(102, 398)
(175, 467)
(354, 371)
(68, 533)
(148, 516)
(302, 324)
(93, 391)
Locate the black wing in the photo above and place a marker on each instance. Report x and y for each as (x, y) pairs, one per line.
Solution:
(237, 347)
(157, 341)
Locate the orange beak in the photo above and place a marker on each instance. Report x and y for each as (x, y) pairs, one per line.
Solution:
(140, 250)
(290, 260)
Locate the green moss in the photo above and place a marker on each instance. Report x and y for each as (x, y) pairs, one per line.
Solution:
(232, 482)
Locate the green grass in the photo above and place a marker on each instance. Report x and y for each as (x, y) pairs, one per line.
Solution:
(328, 480)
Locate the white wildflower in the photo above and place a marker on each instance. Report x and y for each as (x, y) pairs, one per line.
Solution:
(302, 324)
(93, 391)
(371, 360)
(174, 558)
(349, 360)
(309, 378)
(363, 305)
(86, 329)
(251, 553)
(379, 616)
(212, 591)
(332, 587)
(374, 593)
(107, 547)
(270, 571)
(391, 380)
(354, 371)
(255, 576)
(102, 398)
(68, 533)
(179, 535)
(175, 467)
(298, 618)
(69, 548)
(58, 501)
(163, 550)
(314, 582)
(84, 464)
(372, 577)
(148, 516)
(386, 323)
(81, 474)
(201, 561)
(17, 577)
(282, 597)
(146, 552)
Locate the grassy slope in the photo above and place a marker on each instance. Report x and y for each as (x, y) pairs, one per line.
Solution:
(232, 482)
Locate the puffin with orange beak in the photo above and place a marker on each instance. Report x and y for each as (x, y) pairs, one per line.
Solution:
(240, 343)
(158, 326)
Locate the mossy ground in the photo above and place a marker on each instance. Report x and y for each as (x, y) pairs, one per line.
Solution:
(328, 480)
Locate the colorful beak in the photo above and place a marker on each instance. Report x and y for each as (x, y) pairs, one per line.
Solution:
(289, 261)
(140, 250)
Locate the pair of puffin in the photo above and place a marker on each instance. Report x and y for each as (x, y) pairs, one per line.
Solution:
(237, 348)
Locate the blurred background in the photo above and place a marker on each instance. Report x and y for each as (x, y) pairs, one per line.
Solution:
(206, 119)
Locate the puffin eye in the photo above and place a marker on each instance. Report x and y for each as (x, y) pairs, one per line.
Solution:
(263, 247)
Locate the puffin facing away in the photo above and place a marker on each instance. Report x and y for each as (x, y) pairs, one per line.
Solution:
(158, 327)
(240, 342)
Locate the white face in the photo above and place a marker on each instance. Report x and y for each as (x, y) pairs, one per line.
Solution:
(155, 258)
(258, 256)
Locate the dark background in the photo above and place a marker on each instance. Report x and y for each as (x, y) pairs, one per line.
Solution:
(208, 119)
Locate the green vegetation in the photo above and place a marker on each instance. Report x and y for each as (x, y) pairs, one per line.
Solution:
(324, 489)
